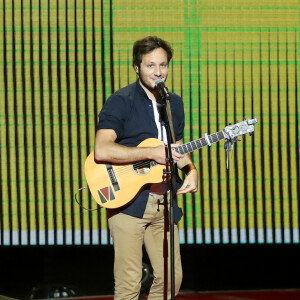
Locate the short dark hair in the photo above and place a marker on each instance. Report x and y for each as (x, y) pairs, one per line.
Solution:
(148, 44)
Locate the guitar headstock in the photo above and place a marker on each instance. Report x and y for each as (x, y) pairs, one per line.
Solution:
(241, 128)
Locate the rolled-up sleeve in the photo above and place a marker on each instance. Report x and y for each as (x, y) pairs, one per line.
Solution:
(113, 115)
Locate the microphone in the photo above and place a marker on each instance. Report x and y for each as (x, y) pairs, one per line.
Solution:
(163, 90)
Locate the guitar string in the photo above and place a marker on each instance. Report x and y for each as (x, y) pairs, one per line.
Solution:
(134, 167)
(142, 164)
(138, 165)
(145, 163)
(129, 168)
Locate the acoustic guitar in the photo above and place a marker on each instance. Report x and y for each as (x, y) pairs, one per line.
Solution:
(115, 185)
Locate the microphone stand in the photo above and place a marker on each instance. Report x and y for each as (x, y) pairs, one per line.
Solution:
(170, 173)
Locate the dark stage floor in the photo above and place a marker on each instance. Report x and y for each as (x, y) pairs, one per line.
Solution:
(225, 295)
(230, 295)
(243, 295)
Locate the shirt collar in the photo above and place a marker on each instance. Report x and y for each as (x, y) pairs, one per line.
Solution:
(141, 90)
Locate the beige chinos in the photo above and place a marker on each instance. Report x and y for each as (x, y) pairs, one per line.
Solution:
(128, 234)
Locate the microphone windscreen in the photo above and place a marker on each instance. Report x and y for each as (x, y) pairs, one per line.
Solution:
(158, 81)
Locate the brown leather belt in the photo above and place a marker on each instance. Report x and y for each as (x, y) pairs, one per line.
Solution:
(159, 188)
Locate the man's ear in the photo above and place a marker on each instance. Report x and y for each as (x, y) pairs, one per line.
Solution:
(136, 69)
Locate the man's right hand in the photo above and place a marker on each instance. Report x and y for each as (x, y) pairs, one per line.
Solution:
(159, 154)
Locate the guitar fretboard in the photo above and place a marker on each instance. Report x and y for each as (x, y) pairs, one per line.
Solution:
(200, 143)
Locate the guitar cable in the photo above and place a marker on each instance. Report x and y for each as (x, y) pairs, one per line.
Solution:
(88, 209)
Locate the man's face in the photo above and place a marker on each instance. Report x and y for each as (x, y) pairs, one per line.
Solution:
(154, 66)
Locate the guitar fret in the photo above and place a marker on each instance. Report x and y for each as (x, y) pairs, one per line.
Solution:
(199, 143)
(185, 148)
(220, 135)
(194, 146)
(203, 142)
(179, 150)
(190, 149)
(214, 138)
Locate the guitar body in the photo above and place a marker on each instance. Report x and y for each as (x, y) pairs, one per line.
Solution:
(113, 186)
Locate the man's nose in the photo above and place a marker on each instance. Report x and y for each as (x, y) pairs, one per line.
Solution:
(157, 71)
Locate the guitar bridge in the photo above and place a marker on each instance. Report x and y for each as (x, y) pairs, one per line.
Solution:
(112, 177)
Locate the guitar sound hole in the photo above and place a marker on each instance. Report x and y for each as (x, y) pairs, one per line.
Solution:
(142, 167)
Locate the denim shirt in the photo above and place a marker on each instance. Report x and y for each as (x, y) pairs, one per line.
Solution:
(129, 112)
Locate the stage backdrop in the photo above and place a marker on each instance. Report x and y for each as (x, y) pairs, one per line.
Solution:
(61, 60)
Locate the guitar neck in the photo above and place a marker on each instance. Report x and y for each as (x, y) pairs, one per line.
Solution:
(200, 143)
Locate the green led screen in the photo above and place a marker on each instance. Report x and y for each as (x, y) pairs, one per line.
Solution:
(60, 61)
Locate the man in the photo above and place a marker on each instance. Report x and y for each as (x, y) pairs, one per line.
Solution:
(128, 117)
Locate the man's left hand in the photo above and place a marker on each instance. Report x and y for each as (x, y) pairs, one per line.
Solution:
(190, 184)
